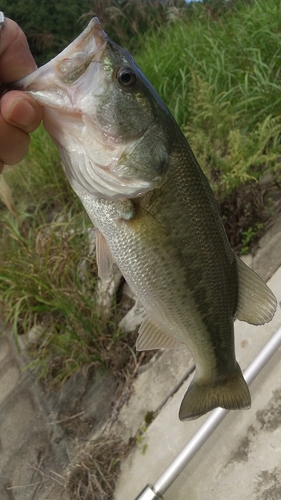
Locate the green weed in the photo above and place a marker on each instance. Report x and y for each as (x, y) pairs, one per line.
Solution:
(248, 237)
(229, 155)
(219, 74)
(47, 278)
(140, 438)
(43, 283)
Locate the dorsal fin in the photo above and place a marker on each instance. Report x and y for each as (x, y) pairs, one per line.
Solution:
(152, 336)
(104, 257)
(256, 302)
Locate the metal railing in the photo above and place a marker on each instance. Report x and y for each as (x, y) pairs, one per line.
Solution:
(155, 492)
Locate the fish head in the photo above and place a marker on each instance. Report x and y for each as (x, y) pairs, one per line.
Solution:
(106, 119)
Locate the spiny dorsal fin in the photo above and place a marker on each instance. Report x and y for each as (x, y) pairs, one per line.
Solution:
(152, 336)
(256, 302)
(104, 258)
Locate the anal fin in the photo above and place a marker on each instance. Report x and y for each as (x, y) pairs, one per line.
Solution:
(256, 302)
(152, 336)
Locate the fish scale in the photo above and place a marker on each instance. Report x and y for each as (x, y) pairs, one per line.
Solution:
(146, 267)
(216, 292)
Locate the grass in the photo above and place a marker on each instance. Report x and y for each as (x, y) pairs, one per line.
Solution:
(128, 22)
(220, 77)
(48, 280)
(47, 277)
(218, 70)
(95, 470)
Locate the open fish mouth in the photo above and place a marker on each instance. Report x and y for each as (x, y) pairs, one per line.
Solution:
(72, 62)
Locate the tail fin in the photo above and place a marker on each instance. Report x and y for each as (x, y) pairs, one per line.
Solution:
(231, 393)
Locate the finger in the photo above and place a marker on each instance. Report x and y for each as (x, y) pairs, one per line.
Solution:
(14, 143)
(21, 110)
(16, 60)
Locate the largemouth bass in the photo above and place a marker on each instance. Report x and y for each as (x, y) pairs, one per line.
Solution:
(156, 216)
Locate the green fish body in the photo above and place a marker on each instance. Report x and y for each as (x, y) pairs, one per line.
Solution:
(154, 211)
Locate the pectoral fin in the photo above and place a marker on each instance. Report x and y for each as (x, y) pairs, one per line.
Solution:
(256, 302)
(152, 336)
(104, 258)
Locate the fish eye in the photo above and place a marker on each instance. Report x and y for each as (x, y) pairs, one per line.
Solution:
(126, 77)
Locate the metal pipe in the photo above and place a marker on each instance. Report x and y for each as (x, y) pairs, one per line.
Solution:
(195, 443)
(148, 494)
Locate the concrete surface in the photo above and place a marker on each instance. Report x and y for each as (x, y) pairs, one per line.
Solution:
(39, 431)
(30, 449)
(267, 255)
(240, 461)
(151, 388)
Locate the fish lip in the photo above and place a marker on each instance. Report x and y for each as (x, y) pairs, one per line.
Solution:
(90, 41)
(89, 45)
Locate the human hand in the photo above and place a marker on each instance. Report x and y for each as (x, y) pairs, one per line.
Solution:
(20, 114)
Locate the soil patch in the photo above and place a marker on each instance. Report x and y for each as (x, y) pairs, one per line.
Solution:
(248, 212)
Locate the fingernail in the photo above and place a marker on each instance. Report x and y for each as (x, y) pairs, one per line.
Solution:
(21, 112)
